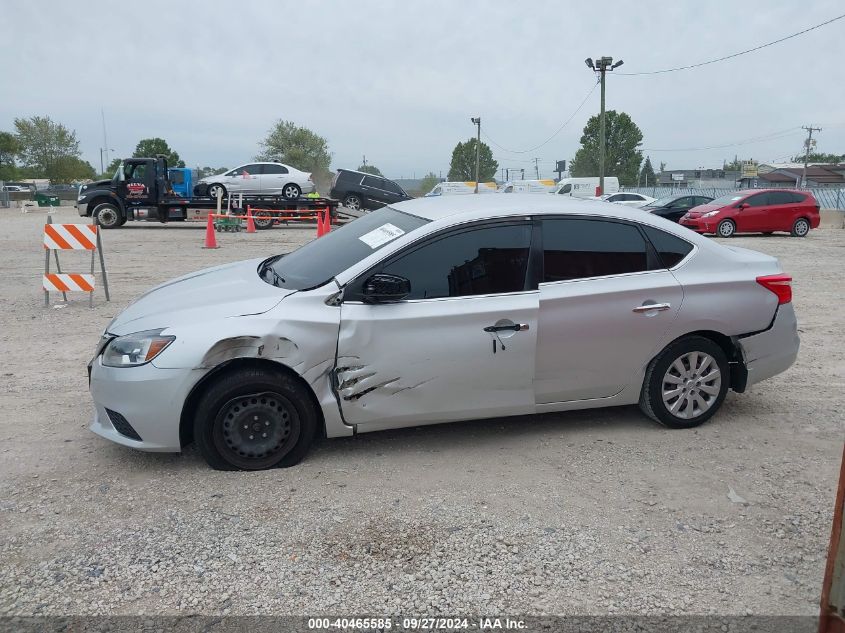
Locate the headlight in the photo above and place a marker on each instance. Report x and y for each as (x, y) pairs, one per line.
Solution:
(135, 349)
(710, 214)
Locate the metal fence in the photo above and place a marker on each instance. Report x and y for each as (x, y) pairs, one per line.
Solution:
(828, 197)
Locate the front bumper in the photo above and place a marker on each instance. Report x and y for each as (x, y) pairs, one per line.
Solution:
(149, 398)
(771, 352)
(699, 225)
(82, 208)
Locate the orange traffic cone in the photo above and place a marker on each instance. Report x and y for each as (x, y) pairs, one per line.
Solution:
(250, 222)
(328, 224)
(320, 229)
(210, 237)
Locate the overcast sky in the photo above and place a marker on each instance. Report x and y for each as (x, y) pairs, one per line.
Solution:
(399, 81)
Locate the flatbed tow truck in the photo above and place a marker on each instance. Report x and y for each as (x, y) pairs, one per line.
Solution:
(141, 190)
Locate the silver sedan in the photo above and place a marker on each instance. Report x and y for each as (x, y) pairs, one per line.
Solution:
(261, 178)
(442, 309)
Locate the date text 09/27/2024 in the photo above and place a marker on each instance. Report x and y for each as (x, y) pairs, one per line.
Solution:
(416, 623)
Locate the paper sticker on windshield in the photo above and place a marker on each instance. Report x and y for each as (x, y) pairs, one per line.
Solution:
(381, 236)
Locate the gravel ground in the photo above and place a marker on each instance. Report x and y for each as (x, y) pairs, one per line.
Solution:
(593, 512)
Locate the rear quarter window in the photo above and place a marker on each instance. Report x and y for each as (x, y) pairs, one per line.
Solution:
(671, 250)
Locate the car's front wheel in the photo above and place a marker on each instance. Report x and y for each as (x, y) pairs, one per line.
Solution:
(109, 216)
(253, 419)
(726, 228)
(686, 384)
(216, 189)
(800, 227)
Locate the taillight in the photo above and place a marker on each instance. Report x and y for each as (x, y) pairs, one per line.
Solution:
(781, 285)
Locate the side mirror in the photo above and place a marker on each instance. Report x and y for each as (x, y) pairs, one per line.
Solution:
(384, 288)
(742, 206)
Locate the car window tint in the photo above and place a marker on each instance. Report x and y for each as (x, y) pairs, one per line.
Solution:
(781, 197)
(686, 202)
(758, 200)
(392, 187)
(486, 260)
(581, 248)
(372, 181)
(670, 248)
(702, 200)
(274, 169)
(566, 188)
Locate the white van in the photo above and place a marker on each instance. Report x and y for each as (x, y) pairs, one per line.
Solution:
(586, 187)
(529, 186)
(454, 188)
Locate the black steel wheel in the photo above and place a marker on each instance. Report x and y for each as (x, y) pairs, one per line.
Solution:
(255, 419)
(108, 215)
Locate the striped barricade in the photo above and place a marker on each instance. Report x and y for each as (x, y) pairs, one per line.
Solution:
(72, 237)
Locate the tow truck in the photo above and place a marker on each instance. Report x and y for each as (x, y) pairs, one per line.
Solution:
(141, 190)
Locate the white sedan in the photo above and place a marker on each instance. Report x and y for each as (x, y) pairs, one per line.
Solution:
(275, 179)
(628, 199)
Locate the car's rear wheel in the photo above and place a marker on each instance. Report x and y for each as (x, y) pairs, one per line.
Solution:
(726, 228)
(353, 202)
(216, 187)
(263, 223)
(686, 384)
(291, 191)
(800, 227)
(108, 215)
(253, 419)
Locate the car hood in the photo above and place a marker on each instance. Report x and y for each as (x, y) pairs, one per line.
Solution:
(230, 290)
(697, 212)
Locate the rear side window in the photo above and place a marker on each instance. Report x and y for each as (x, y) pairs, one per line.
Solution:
(670, 248)
(274, 169)
(488, 260)
(781, 197)
(582, 248)
(797, 197)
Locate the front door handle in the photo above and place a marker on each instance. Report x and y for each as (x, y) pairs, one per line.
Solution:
(516, 327)
(652, 307)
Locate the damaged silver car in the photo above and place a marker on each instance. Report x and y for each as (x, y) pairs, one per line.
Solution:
(436, 310)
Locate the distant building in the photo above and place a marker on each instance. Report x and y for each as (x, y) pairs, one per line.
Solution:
(698, 178)
(790, 174)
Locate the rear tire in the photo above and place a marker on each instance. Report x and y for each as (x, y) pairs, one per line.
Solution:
(254, 419)
(108, 215)
(726, 228)
(686, 383)
(353, 202)
(800, 227)
(262, 224)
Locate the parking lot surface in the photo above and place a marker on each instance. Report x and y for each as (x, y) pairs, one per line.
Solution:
(589, 512)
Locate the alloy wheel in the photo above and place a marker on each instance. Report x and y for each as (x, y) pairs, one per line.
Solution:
(691, 385)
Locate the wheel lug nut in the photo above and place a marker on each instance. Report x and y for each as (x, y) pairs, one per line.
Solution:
(263, 435)
(266, 423)
(252, 437)
(255, 417)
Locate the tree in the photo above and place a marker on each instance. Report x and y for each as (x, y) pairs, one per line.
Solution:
(299, 147)
(622, 158)
(647, 173)
(371, 169)
(44, 144)
(71, 169)
(428, 182)
(9, 148)
(662, 167)
(817, 157)
(152, 147)
(202, 172)
(112, 167)
(462, 166)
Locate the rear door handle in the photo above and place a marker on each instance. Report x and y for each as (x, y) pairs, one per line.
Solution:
(651, 307)
(516, 327)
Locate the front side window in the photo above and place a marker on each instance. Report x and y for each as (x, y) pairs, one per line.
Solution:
(392, 187)
(567, 188)
(583, 248)
(477, 261)
(759, 200)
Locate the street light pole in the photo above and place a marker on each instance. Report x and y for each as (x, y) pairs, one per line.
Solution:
(602, 66)
(477, 122)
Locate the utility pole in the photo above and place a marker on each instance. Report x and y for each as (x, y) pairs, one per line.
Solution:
(537, 168)
(477, 121)
(602, 66)
(364, 158)
(807, 144)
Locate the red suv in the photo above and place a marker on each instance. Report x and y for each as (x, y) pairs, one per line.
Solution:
(756, 211)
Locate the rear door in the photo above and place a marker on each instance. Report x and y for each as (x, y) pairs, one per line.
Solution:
(432, 357)
(781, 211)
(273, 178)
(605, 308)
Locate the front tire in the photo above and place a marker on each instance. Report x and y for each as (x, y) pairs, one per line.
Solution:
(291, 191)
(108, 216)
(254, 419)
(686, 383)
(214, 188)
(800, 227)
(726, 228)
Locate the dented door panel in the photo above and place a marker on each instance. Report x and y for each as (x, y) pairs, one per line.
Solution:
(431, 361)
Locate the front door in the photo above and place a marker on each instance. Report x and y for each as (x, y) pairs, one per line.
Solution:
(373, 189)
(138, 189)
(605, 308)
(460, 346)
(754, 216)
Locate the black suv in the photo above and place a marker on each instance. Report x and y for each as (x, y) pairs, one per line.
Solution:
(357, 190)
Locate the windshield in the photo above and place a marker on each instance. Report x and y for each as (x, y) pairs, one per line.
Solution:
(727, 199)
(322, 259)
(662, 202)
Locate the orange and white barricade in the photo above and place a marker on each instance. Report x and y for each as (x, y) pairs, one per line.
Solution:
(72, 237)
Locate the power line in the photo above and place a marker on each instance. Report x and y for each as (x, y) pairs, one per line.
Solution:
(757, 139)
(565, 123)
(731, 56)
